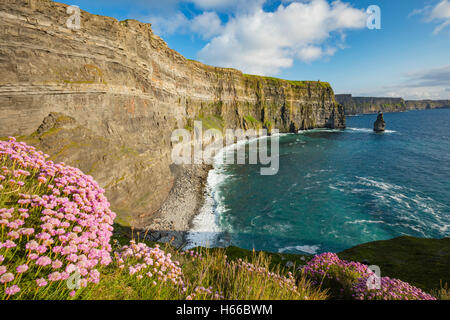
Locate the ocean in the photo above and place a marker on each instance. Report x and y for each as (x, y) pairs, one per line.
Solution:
(335, 189)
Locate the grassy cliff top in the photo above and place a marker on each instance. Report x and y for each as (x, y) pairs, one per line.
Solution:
(291, 82)
(422, 262)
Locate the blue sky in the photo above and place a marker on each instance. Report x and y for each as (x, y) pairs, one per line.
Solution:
(308, 40)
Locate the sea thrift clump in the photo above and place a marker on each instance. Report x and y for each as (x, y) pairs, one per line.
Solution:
(55, 221)
(390, 289)
(349, 280)
(141, 261)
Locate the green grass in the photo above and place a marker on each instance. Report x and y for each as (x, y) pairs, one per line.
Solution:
(303, 84)
(212, 122)
(424, 263)
(215, 269)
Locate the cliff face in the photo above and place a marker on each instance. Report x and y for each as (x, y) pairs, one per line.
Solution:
(106, 99)
(427, 104)
(362, 105)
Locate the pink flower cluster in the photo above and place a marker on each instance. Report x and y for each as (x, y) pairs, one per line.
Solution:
(349, 280)
(56, 220)
(142, 261)
(390, 289)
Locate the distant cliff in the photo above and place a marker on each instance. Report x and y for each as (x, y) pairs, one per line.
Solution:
(427, 104)
(106, 99)
(362, 105)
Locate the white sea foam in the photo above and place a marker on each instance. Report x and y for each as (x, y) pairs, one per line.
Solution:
(367, 130)
(205, 229)
(399, 203)
(320, 130)
(365, 222)
(306, 249)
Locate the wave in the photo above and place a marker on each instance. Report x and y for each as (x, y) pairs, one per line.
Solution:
(367, 130)
(320, 130)
(400, 206)
(205, 229)
(306, 249)
(365, 222)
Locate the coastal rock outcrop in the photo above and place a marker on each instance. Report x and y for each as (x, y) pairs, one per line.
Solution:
(107, 97)
(380, 124)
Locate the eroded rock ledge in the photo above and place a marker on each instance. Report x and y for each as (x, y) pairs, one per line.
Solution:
(106, 99)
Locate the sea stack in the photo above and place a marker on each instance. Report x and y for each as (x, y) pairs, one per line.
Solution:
(380, 124)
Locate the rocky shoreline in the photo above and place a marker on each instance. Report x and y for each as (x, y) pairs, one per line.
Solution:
(172, 221)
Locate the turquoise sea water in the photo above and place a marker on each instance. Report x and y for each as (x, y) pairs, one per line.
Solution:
(336, 189)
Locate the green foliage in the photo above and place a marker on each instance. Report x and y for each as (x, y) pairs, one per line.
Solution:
(246, 279)
(212, 122)
(250, 120)
(424, 263)
(302, 84)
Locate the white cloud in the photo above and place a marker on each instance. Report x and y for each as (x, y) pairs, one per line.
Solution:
(440, 13)
(265, 42)
(207, 25)
(162, 25)
(310, 53)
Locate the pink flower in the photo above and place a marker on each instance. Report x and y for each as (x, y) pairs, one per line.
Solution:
(41, 282)
(7, 277)
(57, 264)
(9, 244)
(22, 268)
(55, 276)
(12, 290)
(76, 226)
(32, 245)
(14, 235)
(42, 180)
(33, 256)
(43, 261)
(27, 231)
(71, 268)
(2, 270)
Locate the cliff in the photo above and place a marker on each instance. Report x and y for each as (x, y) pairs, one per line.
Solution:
(107, 97)
(362, 105)
(427, 104)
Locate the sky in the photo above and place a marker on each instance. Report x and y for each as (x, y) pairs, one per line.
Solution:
(407, 55)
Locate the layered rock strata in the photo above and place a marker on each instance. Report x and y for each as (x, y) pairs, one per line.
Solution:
(107, 97)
